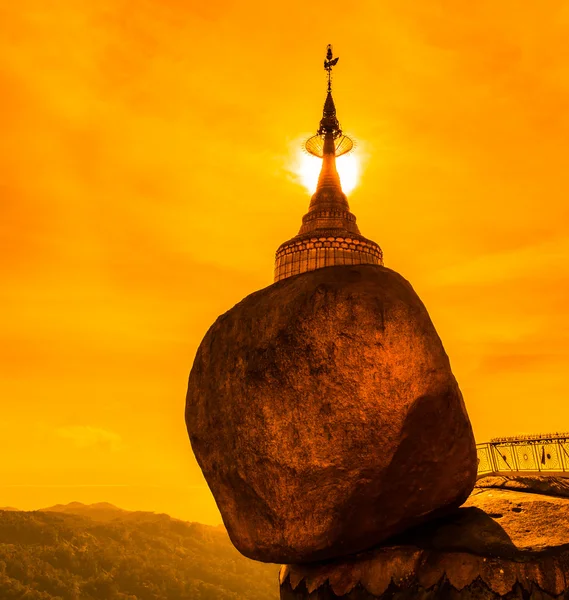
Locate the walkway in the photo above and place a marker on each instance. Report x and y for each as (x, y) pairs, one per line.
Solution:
(547, 454)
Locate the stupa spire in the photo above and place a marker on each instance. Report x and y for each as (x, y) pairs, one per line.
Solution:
(328, 143)
(329, 234)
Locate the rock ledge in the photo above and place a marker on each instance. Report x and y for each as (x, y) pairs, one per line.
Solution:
(502, 544)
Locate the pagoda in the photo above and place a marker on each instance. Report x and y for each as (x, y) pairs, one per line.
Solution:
(329, 234)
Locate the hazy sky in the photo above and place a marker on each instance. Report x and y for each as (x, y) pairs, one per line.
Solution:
(146, 154)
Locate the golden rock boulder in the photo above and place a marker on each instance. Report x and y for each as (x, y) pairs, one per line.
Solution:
(325, 416)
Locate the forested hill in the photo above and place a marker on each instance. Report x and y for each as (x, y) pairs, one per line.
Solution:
(60, 555)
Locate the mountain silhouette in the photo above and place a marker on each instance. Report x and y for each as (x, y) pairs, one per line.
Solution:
(102, 552)
(100, 511)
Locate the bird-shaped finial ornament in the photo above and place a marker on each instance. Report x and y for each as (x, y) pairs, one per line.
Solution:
(329, 62)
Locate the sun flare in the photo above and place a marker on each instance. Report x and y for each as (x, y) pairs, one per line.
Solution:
(308, 169)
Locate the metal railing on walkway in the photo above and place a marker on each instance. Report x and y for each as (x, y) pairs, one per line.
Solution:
(547, 454)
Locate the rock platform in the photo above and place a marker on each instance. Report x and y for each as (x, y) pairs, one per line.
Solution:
(500, 544)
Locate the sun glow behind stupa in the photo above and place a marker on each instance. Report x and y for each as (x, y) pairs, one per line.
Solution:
(308, 168)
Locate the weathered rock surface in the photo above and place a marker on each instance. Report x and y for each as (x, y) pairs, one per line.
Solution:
(540, 484)
(502, 544)
(325, 416)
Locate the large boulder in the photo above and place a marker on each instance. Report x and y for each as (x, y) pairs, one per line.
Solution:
(325, 416)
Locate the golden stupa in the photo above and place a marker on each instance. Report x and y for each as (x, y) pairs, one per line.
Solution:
(329, 234)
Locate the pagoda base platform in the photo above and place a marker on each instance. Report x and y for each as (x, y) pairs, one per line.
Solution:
(501, 544)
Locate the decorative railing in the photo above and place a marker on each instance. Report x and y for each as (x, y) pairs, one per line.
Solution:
(543, 453)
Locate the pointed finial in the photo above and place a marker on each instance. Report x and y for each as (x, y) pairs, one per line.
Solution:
(330, 62)
(339, 143)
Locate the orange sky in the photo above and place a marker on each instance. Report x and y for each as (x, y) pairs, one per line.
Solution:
(145, 156)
